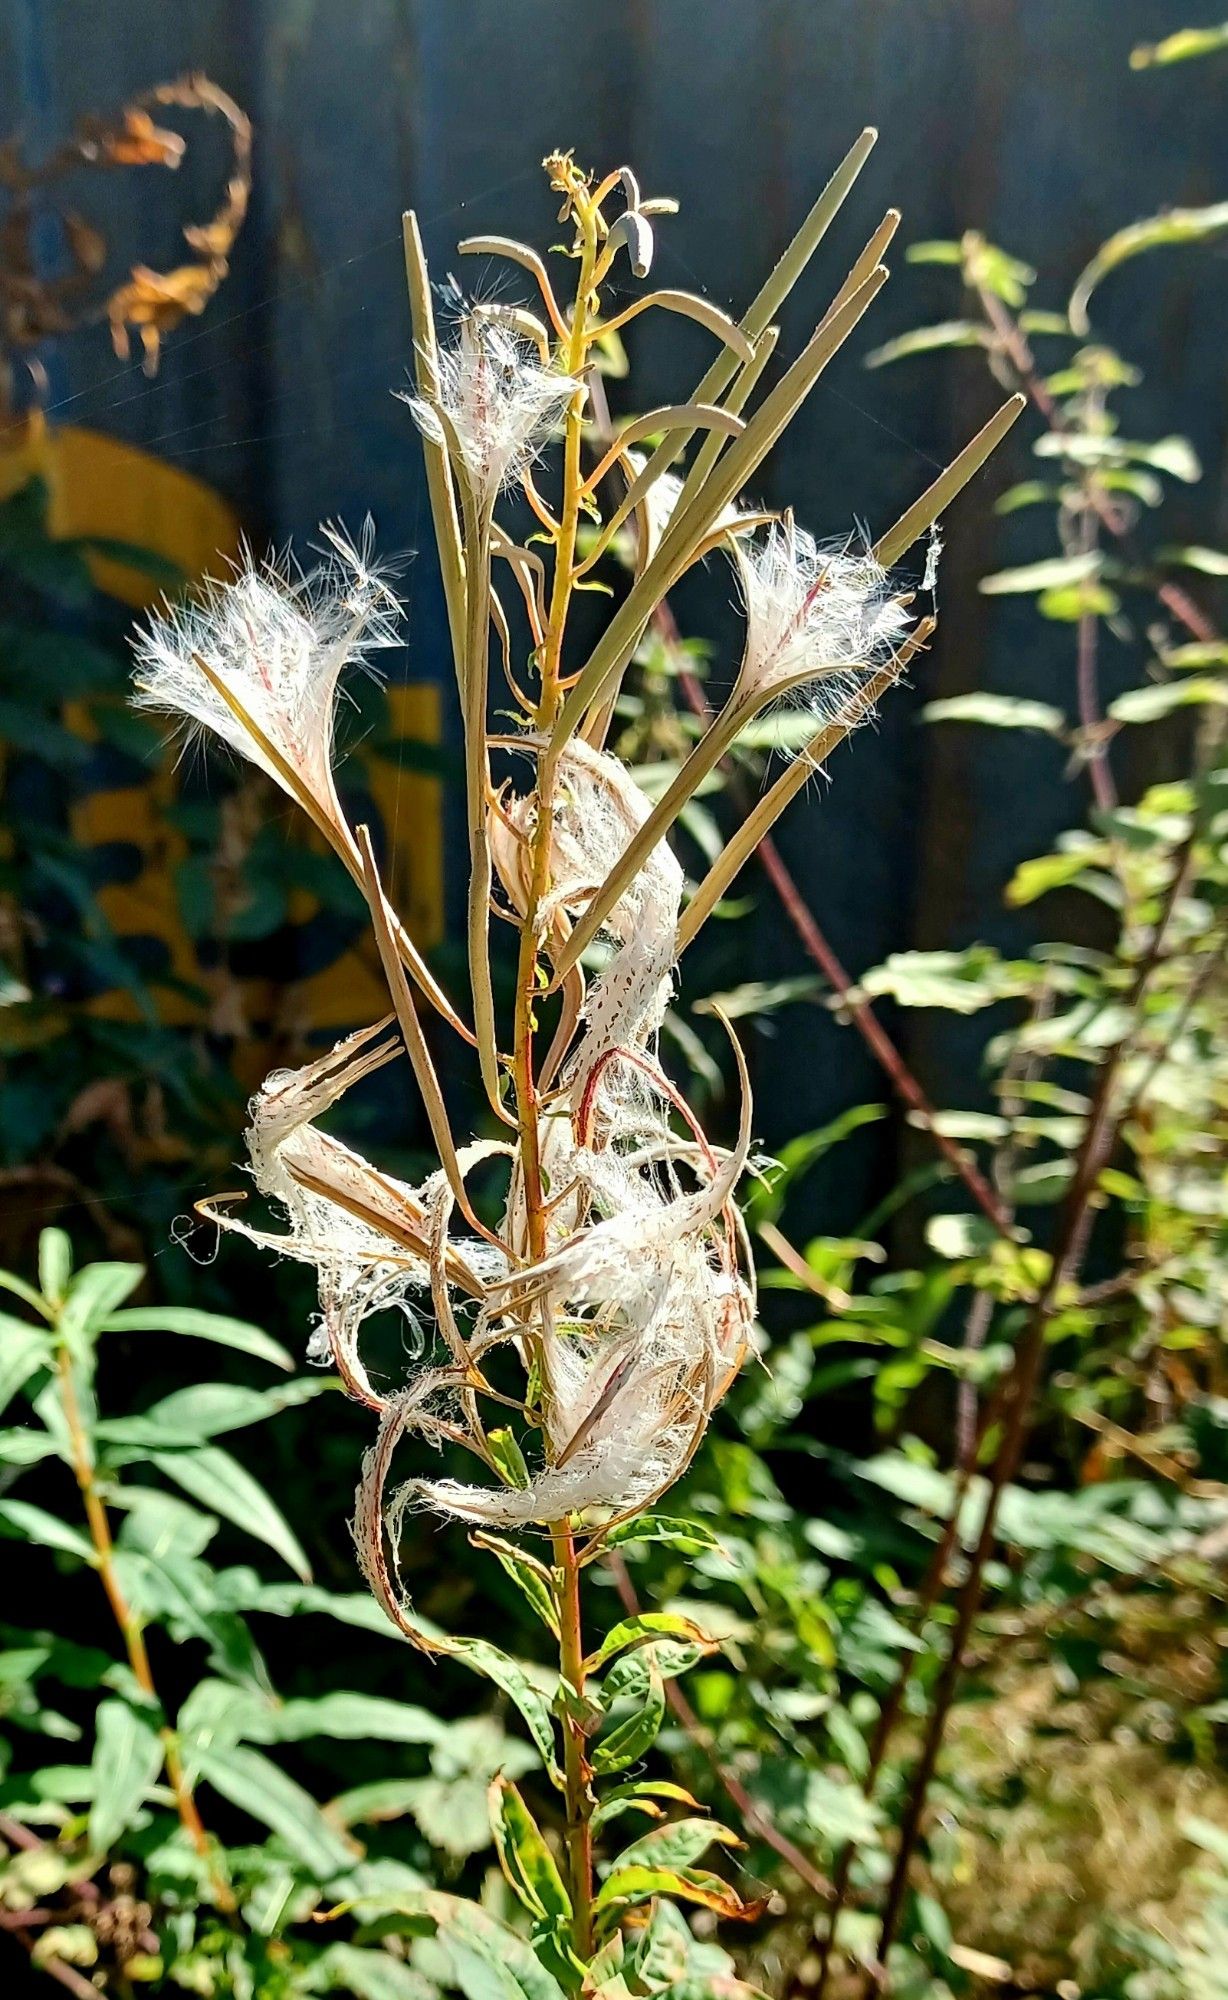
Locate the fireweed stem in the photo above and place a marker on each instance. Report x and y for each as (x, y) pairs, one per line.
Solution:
(575, 1760)
(529, 985)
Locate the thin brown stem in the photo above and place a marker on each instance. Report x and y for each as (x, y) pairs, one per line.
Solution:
(1091, 721)
(129, 1622)
(753, 1815)
(576, 1773)
(1071, 1238)
(1014, 348)
(859, 1012)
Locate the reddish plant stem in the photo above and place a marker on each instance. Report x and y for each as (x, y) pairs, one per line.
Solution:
(1013, 345)
(1091, 721)
(753, 1815)
(1074, 1227)
(860, 1013)
(875, 1036)
(889, 1713)
(130, 1625)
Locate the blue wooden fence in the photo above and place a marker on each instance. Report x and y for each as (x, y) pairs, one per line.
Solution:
(1019, 117)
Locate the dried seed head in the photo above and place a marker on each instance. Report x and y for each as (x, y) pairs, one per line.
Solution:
(821, 614)
(257, 660)
(496, 406)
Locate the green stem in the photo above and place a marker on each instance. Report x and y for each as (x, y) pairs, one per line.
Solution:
(477, 788)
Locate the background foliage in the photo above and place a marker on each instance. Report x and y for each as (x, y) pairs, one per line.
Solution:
(1074, 1227)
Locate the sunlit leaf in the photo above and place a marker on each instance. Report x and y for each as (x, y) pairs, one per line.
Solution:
(1148, 704)
(525, 1858)
(637, 1631)
(1209, 562)
(1175, 226)
(959, 1236)
(198, 1325)
(677, 1845)
(998, 711)
(35, 1524)
(54, 1265)
(488, 1961)
(219, 1482)
(94, 1294)
(1038, 576)
(927, 340)
(127, 1759)
(23, 1351)
(1183, 45)
(258, 1787)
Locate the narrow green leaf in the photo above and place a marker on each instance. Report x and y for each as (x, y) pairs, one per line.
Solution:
(29, 1447)
(640, 1797)
(934, 251)
(23, 1351)
(211, 1476)
(35, 1524)
(257, 1786)
(189, 1320)
(94, 1294)
(997, 711)
(366, 1973)
(183, 1594)
(1038, 576)
(1196, 656)
(489, 1961)
(509, 1675)
(629, 1886)
(1174, 226)
(509, 1459)
(637, 1631)
(927, 339)
(689, 1538)
(127, 1760)
(766, 1199)
(525, 1858)
(370, 1805)
(1148, 704)
(628, 1741)
(960, 1236)
(207, 1409)
(10, 1282)
(350, 1718)
(1208, 562)
(1183, 45)
(531, 1577)
(1026, 493)
(677, 1845)
(1054, 871)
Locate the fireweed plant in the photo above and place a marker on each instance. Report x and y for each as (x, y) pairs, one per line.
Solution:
(618, 1284)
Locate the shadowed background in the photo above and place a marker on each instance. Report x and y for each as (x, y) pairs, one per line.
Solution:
(1023, 121)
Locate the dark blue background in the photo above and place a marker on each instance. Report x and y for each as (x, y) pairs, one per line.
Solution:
(1018, 117)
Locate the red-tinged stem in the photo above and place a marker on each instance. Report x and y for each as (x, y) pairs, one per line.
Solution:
(1014, 346)
(860, 1013)
(576, 1773)
(754, 1818)
(1070, 1246)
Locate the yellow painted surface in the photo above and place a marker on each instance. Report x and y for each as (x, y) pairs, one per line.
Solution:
(100, 487)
